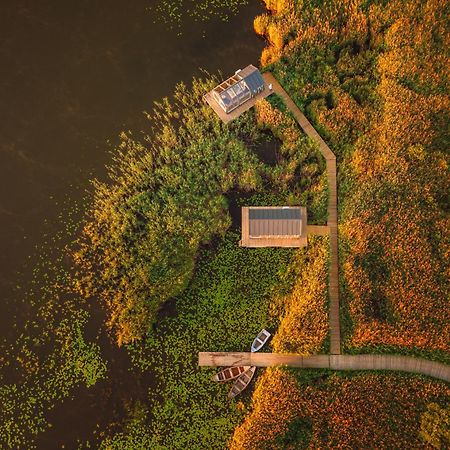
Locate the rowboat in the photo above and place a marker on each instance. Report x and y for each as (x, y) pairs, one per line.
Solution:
(242, 382)
(260, 340)
(230, 373)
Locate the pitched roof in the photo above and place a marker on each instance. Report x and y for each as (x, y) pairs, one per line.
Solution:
(252, 77)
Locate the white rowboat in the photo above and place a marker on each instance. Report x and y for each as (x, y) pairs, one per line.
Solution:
(260, 340)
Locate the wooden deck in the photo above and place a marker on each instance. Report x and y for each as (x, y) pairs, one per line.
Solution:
(228, 117)
(272, 241)
(330, 158)
(318, 230)
(334, 362)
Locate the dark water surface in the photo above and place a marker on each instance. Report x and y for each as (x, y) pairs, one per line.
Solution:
(73, 74)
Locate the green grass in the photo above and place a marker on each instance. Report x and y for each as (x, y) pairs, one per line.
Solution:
(223, 309)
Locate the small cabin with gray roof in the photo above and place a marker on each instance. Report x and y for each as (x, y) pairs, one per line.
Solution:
(238, 93)
(239, 88)
(274, 226)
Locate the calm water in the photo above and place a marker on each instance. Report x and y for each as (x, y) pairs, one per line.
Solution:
(72, 76)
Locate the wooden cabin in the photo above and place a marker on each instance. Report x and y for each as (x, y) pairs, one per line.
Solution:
(238, 93)
(239, 88)
(274, 226)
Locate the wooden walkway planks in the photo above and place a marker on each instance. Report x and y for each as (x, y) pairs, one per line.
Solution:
(318, 230)
(333, 291)
(334, 362)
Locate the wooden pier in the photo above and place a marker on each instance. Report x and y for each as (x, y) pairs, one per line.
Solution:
(333, 362)
(318, 230)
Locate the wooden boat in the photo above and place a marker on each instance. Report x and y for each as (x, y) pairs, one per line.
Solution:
(260, 340)
(242, 382)
(230, 373)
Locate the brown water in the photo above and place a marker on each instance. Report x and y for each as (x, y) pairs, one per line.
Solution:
(72, 76)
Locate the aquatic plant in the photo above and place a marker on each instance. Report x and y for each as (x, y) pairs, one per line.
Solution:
(165, 198)
(173, 12)
(48, 379)
(49, 355)
(224, 307)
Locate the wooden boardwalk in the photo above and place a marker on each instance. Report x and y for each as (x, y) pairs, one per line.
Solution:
(318, 230)
(330, 158)
(334, 362)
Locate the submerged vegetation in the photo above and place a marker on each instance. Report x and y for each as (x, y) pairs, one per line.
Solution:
(49, 356)
(233, 295)
(167, 196)
(224, 307)
(159, 220)
(172, 12)
(165, 199)
(159, 247)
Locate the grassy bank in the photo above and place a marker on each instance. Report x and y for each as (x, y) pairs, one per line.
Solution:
(324, 409)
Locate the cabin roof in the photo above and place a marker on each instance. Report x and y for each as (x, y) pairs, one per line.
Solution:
(274, 226)
(252, 77)
(283, 221)
(283, 213)
(232, 86)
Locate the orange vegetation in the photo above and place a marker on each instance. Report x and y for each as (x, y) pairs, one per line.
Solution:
(283, 126)
(374, 82)
(303, 313)
(274, 405)
(402, 172)
(366, 411)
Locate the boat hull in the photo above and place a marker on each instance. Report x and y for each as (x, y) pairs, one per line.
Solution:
(260, 340)
(242, 382)
(230, 373)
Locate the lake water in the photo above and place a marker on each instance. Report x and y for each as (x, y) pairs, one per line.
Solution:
(72, 76)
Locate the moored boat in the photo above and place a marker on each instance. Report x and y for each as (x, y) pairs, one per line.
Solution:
(260, 340)
(242, 382)
(230, 373)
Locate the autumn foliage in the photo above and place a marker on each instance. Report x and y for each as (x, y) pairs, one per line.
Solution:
(363, 411)
(373, 80)
(304, 312)
(274, 405)
(395, 226)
